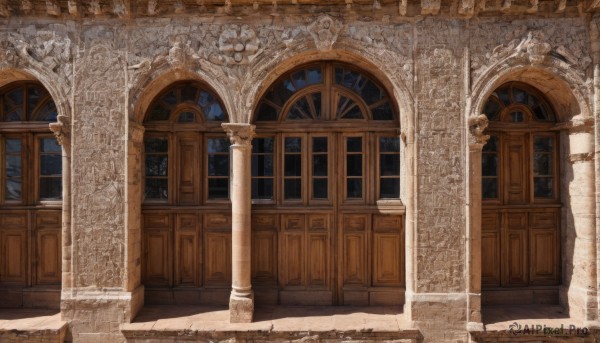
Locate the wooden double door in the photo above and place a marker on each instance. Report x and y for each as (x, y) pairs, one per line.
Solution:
(521, 217)
(332, 238)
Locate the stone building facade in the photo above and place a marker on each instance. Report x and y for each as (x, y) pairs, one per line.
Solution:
(430, 247)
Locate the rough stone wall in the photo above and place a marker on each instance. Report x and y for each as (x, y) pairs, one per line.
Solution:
(98, 176)
(440, 158)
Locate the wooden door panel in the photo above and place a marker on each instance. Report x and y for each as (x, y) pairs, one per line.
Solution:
(293, 222)
(516, 258)
(293, 260)
(515, 169)
(264, 256)
(186, 250)
(158, 258)
(544, 256)
(13, 220)
(217, 267)
(49, 256)
(354, 259)
(387, 257)
(490, 258)
(490, 221)
(188, 171)
(317, 264)
(14, 247)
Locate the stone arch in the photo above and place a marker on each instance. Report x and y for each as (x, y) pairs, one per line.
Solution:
(143, 93)
(565, 88)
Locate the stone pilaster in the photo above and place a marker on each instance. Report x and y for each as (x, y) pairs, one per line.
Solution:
(241, 302)
(476, 141)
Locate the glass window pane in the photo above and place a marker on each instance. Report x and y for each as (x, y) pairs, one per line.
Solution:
(517, 116)
(543, 144)
(320, 144)
(319, 165)
(320, 188)
(48, 112)
(188, 93)
(542, 187)
(159, 112)
(157, 165)
(489, 188)
(519, 95)
(300, 110)
(262, 165)
(491, 109)
(50, 188)
(218, 188)
(218, 165)
(186, 117)
(314, 75)
(389, 188)
(13, 165)
(389, 144)
(354, 165)
(354, 144)
(489, 165)
(293, 144)
(267, 113)
(293, 165)
(262, 145)
(383, 112)
(292, 189)
(353, 113)
(492, 144)
(156, 145)
(354, 188)
(542, 165)
(50, 145)
(50, 164)
(316, 98)
(13, 145)
(389, 165)
(216, 145)
(262, 188)
(371, 93)
(156, 189)
(13, 189)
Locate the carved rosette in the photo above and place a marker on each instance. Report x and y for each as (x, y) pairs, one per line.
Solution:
(478, 124)
(238, 45)
(239, 134)
(61, 130)
(325, 32)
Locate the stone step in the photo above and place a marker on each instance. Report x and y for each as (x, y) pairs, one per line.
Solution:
(31, 326)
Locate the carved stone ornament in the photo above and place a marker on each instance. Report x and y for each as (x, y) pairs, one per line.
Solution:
(477, 124)
(45, 49)
(136, 132)
(238, 45)
(181, 54)
(325, 32)
(239, 134)
(61, 129)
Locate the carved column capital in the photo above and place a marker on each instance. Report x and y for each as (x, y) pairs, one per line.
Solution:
(477, 124)
(61, 130)
(239, 134)
(136, 132)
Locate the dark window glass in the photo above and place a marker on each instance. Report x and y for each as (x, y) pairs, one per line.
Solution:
(13, 189)
(516, 116)
(156, 189)
(390, 188)
(218, 165)
(543, 144)
(320, 144)
(156, 168)
(157, 165)
(50, 188)
(542, 165)
(292, 189)
(371, 93)
(300, 110)
(489, 165)
(13, 169)
(389, 144)
(316, 98)
(267, 112)
(188, 93)
(293, 165)
(262, 165)
(320, 165)
(320, 188)
(293, 144)
(491, 109)
(354, 188)
(489, 188)
(218, 145)
(354, 165)
(383, 112)
(186, 117)
(492, 144)
(50, 164)
(390, 165)
(519, 95)
(262, 188)
(218, 188)
(50, 169)
(354, 144)
(542, 187)
(262, 145)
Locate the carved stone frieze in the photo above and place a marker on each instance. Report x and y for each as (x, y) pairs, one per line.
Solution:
(477, 125)
(237, 45)
(239, 134)
(531, 44)
(325, 31)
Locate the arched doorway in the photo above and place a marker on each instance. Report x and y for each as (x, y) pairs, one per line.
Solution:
(30, 198)
(327, 220)
(520, 199)
(186, 211)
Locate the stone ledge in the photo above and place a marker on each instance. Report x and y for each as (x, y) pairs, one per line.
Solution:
(31, 326)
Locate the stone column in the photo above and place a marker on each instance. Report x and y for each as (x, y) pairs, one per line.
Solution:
(580, 217)
(61, 130)
(241, 302)
(477, 140)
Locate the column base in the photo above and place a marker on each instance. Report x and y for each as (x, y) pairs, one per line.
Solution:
(241, 308)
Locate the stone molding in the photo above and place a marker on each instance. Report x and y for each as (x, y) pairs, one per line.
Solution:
(583, 157)
(477, 125)
(239, 134)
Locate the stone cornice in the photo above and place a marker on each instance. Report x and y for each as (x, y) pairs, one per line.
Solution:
(126, 9)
